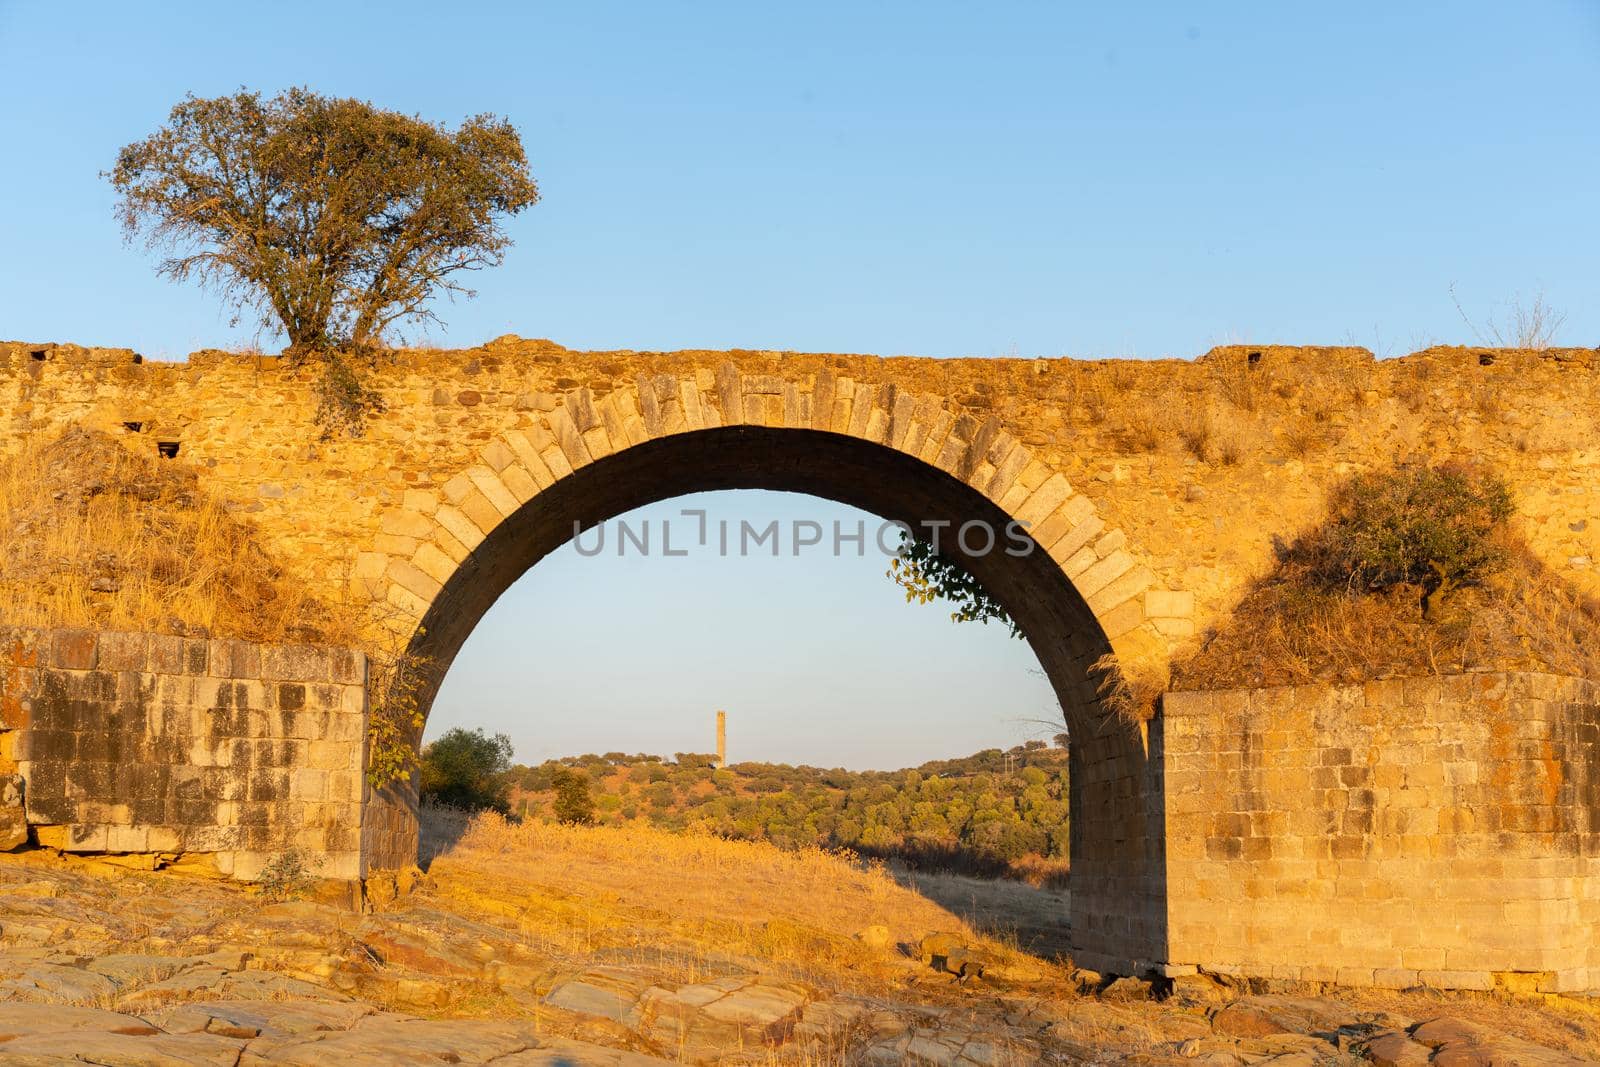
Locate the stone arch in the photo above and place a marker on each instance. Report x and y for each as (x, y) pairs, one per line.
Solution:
(443, 556)
(429, 534)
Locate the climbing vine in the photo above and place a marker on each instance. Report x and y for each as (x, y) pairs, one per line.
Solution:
(395, 723)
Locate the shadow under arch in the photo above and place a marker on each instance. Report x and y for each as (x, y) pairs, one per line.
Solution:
(1118, 899)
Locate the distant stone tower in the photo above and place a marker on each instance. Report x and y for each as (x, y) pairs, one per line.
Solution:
(722, 739)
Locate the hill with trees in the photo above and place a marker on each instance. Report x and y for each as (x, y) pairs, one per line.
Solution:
(994, 813)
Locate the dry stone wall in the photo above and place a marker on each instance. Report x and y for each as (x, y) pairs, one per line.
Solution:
(168, 748)
(1425, 831)
(1194, 466)
(1156, 490)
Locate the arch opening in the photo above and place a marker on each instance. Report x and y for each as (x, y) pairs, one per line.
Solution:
(1118, 910)
(1054, 619)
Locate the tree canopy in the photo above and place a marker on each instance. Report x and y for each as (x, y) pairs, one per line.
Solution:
(467, 769)
(328, 216)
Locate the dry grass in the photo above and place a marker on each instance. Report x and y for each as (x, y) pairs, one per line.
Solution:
(1239, 385)
(633, 892)
(1229, 450)
(1196, 433)
(1130, 691)
(93, 535)
(1283, 633)
(1028, 917)
(1143, 426)
(1301, 441)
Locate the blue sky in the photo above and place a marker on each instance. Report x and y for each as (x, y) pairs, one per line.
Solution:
(926, 178)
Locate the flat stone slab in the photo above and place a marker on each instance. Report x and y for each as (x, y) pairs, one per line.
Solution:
(262, 1018)
(1459, 1043)
(1263, 1016)
(18, 1020)
(383, 1042)
(121, 1050)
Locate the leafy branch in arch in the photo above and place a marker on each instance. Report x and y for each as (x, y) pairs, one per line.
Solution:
(928, 575)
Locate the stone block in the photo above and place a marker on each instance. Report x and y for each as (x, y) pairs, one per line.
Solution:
(73, 650)
(460, 527)
(127, 839)
(400, 522)
(347, 667)
(122, 651)
(234, 659)
(73, 838)
(13, 816)
(164, 839)
(1122, 619)
(1043, 500)
(293, 663)
(1168, 604)
(1481, 981)
(521, 484)
(308, 784)
(412, 579)
(421, 501)
(1130, 583)
(333, 755)
(481, 513)
(1103, 573)
(1394, 978)
(433, 562)
(494, 491)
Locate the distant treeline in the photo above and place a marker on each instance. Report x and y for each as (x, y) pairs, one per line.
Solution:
(994, 813)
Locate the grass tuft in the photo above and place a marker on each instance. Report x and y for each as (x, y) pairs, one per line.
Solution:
(96, 536)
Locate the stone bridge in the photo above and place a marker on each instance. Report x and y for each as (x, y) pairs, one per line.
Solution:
(1152, 493)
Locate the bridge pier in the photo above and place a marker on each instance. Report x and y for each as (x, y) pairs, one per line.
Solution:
(1442, 832)
(1439, 831)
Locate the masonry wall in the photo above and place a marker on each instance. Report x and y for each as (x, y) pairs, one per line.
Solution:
(1119, 905)
(1199, 463)
(389, 832)
(167, 746)
(1438, 831)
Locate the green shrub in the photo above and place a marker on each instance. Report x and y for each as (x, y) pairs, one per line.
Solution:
(468, 769)
(1434, 528)
(288, 874)
(573, 805)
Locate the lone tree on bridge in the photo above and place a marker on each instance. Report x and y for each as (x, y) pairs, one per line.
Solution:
(332, 217)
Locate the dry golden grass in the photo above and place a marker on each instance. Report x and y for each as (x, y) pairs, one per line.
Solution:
(1239, 385)
(1030, 918)
(685, 901)
(1130, 691)
(1196, 432)
(1282, 633)
(93, 535)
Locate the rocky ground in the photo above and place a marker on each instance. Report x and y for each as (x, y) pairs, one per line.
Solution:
(104, 965)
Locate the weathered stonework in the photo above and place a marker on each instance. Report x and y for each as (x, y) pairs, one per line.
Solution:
(1189, 468)
(1153, 492)
(1428, 831)
(389, 827)
(145, 744)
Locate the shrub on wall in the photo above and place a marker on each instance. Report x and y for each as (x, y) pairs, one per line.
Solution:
(1434, 528)
(1415, 571)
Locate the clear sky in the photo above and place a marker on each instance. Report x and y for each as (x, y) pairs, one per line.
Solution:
(938, 179)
